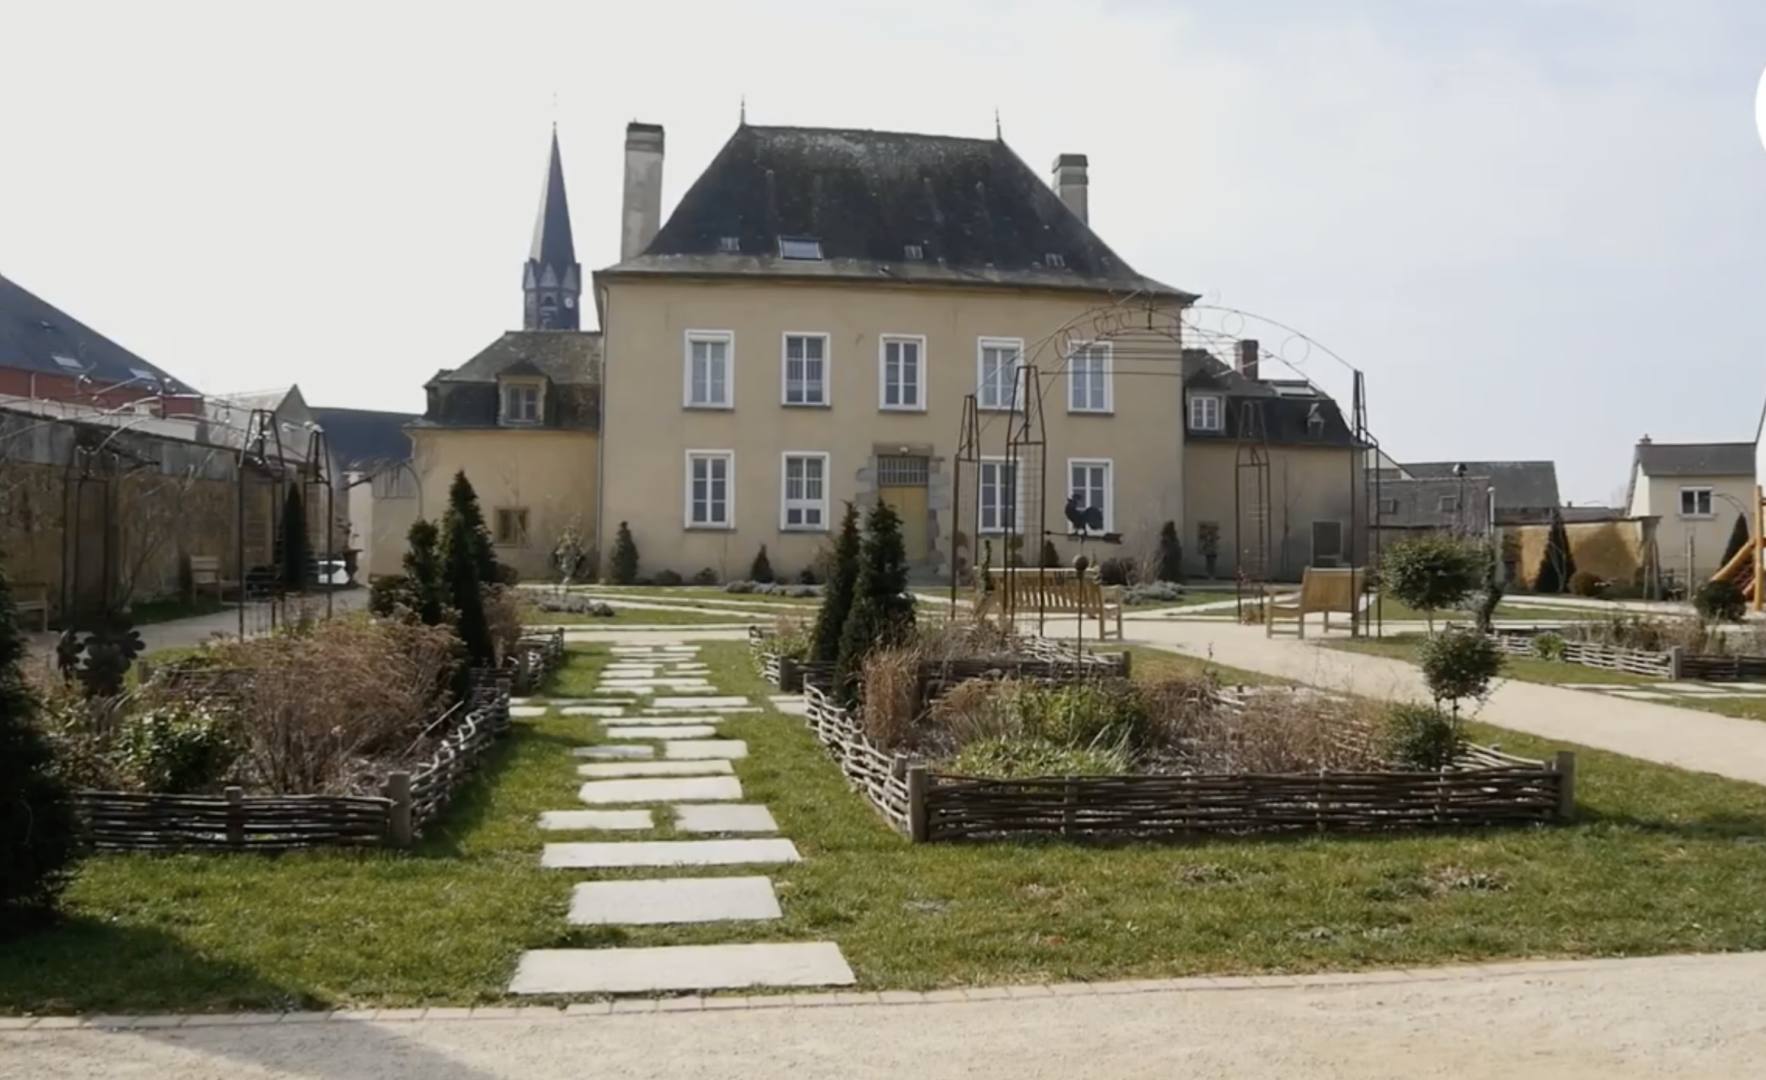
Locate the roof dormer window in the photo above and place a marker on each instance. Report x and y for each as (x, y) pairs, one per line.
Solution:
(523, 402)
(68, 363)
(1054, 260)
(914, 252)
(806, 248)
(729, 245)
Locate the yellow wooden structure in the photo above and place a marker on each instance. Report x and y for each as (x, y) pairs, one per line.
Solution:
(1323, 590)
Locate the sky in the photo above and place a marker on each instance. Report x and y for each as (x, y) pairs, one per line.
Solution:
(1537, 226)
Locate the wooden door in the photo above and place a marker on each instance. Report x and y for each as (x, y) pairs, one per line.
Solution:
(901, 483)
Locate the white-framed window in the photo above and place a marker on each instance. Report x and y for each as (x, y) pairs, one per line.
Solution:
(710, 363)
(711, 499)
(996, 371)
(804, 362)
(1695, 502)
(1089, 380)
(1093, 480)
(999, 498)
(521, 402)
(901, 372)
(1205, 412)
(803, 491)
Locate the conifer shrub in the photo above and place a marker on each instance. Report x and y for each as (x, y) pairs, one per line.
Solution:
(37, 828)
(762, 568)
(1170, 564)
(624, 567)
(837, 593)
(882, 613)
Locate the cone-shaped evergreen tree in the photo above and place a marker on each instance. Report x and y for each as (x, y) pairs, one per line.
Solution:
(294, 541)
(36, 815)
(1557, 566)
(624, 569)
(837, 593)
(460, 550)
(762, 568)
(463, 500)
(882, 613)
(428, 593)
(1050, 557)
(1170, 553)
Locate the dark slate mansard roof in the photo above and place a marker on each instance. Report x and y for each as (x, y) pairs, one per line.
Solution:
(1521, 486)
(33, 332)
(1288, 405)
(977, 212)
(570, 361)
(365, 440)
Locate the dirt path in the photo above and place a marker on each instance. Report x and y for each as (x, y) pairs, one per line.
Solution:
(1662, 1017)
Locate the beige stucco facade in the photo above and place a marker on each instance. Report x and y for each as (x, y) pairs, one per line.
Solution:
(548, 473)
(382, 509)
(1136, 438)
(1307, 485)
(1694, 540)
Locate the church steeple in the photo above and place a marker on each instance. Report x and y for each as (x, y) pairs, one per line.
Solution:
(551, 283)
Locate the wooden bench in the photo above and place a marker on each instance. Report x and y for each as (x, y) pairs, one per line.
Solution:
(32, 598)
(205, 573)
(1053, 590)
(1323, 590)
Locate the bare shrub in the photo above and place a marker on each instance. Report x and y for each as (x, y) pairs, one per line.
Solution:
(1648, 633)
(975, 710)
(505, 610)
(1275, 731)
(892, 695)
(318, 704)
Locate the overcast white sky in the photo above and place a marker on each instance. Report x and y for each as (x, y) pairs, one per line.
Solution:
(1539, 227)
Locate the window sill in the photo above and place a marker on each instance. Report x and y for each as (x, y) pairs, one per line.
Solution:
(823, 529)
(1698, 517)
(805, 405)
(709, 408)
(902, 408)
(709, 528)
(1071, 411)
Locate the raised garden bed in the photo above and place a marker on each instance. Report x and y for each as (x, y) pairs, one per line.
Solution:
(234, 821)
(1482, 788)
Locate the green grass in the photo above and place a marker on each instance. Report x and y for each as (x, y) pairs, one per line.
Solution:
(699, 594)
(1659, 861)
(145, 612)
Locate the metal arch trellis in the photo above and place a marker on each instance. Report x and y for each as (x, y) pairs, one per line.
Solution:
(317, 474)
(1023, 491)
(260, 451)
(1147, 317)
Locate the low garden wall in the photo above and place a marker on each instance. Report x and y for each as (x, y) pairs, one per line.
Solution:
(1484, 788)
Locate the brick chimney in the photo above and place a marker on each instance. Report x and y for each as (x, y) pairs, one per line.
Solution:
(641, 214)
(1070, 183)
(1248, 350)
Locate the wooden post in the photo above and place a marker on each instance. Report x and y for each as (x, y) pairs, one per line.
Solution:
(918, 781)
(399, 831)
(235, 817)
(1069, 807)
(1565, 765)
(1675, 661)
(1759, 547)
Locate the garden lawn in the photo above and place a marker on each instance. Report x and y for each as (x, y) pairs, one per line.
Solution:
(697, 595)
(624, 616)
(1660, 861)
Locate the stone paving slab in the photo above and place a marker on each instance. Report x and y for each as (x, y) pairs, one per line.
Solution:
(655, 682)
(611, 820)
(679, 967)
(674, 900)
(629, 769)
(615, 854)
(723, 711)
(594, 710)
(1642, 695)
(620, 691)
(615, 753)
(659, 789)
(660, 731)
(526, 712)
(669, 719)
(724, 818)
(705, 748)
(700, 702)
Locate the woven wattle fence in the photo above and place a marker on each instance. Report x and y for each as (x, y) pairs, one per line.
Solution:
(1484, 788)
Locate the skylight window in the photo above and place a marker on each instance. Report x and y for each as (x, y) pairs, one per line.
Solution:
(1054, 260)
(800, 247)
(729, 245)
(143, 373)
(68, 362)
(913, 251)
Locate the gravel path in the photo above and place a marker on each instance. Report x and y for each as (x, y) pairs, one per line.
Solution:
(1676, 1017)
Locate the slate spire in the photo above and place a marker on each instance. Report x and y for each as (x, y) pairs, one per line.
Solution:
(551, 283)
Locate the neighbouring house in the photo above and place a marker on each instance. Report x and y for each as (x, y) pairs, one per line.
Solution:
(522, 418)
(804, 329)
(373, 452)
(294, 433)
(1697, 491)
(1234, 416)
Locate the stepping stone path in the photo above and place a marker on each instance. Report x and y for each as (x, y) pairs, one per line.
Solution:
(661, 693)
(609, 769)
